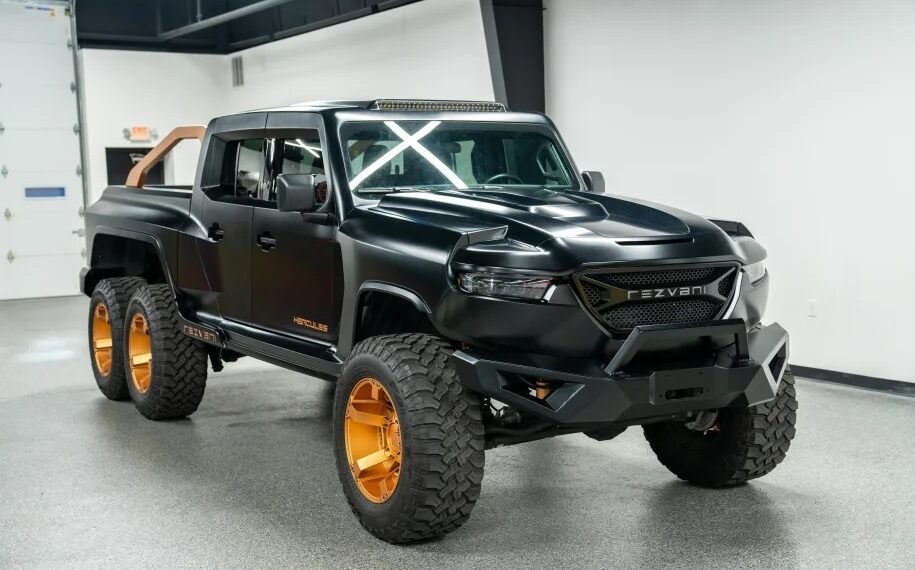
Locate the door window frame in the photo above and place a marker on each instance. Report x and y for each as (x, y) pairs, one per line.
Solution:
(289, 125)
(271, 160)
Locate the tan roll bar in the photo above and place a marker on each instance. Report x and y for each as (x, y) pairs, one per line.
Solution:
(137, 176)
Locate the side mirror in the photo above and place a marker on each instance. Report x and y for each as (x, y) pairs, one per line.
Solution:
(295, 192)
(594, 181)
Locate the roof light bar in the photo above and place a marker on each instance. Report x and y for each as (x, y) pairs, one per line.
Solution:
(421, 105)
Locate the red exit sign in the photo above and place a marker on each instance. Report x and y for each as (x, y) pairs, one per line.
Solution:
(140, 133)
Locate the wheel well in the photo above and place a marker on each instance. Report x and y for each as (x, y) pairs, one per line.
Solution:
(116, 256)
(381, 312)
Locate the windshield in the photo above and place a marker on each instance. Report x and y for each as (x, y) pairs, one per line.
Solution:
(389, 156)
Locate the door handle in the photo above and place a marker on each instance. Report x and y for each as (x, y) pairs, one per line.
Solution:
(216, 233)
(266, 241)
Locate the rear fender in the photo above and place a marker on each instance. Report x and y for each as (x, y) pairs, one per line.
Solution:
(108, 260)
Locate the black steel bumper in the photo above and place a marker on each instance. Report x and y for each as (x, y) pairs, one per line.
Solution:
(659, 371)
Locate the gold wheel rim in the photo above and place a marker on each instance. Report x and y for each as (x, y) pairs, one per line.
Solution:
(373, 440)
(139, 353)
(102, 341)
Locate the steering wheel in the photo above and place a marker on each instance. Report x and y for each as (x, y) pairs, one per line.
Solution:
(509, 177)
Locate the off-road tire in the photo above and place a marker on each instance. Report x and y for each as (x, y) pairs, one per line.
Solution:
(750, 443)
(114, 294)
(442, 438)
(179, 363)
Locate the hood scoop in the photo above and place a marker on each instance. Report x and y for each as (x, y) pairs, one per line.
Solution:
(556, 205)
(536, 215)
(571, 212)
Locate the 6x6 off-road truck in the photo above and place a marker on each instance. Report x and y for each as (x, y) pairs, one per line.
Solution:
(462, 283)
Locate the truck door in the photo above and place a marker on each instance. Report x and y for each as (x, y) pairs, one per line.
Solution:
(296, 274)
(233, 177)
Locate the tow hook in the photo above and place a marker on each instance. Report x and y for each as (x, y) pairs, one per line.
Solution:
(704, 421)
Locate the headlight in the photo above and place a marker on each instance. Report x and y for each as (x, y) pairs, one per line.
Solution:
(755, 271)
(492, 285)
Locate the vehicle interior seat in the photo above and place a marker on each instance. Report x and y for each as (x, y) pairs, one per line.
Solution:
(419, 171)
(381, 178)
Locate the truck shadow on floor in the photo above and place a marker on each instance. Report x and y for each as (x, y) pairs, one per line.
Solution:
(268, 452)
(712, 526)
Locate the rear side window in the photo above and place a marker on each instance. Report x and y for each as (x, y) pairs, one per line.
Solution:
(236, 170)
(247, 172)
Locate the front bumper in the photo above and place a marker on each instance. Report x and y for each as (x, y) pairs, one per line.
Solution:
(659, 371)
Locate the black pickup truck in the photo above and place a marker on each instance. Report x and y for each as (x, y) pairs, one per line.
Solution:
(465, 286)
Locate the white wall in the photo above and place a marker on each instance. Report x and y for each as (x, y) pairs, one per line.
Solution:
(796, 117)
(433, 49)
(161, 90)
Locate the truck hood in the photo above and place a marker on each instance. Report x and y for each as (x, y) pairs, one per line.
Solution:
(558, 231)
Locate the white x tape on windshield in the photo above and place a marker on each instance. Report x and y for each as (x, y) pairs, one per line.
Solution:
(409, 141)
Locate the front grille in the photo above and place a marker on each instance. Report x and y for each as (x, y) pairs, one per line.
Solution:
(726, 284)
(660, 277)
(631, 315)
(606, 295)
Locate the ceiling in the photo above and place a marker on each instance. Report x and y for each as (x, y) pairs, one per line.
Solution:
(210, 26)
(226, 26)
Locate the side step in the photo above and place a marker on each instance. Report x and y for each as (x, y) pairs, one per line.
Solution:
(312, 357)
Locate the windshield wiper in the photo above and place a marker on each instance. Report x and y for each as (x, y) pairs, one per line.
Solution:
(389, 190)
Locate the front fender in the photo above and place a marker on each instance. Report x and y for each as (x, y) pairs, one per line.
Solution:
(397, 291)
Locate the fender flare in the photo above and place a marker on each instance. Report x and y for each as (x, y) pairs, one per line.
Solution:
(395, 290)
(128, 234)
(189, 327)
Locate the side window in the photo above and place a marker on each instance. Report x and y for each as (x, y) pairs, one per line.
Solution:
(299, 155)
(249, 167)
(235, 170)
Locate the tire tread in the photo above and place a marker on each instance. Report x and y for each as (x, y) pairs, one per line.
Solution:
(764, 435)
(447, 455)
(179, 362)
(116, 293)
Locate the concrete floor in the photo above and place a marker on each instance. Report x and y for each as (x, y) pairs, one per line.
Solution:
(249, 481)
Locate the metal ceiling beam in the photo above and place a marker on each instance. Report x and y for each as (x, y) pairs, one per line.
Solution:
(129, 39)
(221, 19)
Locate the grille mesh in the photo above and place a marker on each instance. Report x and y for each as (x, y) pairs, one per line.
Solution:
(661, 277)
(726, 284)
(625, 316)
(630, 315)
(592, 294)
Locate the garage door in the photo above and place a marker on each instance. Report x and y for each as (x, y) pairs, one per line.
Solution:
(40, 184)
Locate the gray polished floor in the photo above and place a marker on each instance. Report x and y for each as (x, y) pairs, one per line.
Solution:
(249, 481)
